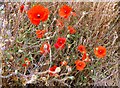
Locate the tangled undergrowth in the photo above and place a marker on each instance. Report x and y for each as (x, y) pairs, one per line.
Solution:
(59, 44)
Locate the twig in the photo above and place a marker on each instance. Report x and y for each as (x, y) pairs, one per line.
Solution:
(107, 77)
(84, 13)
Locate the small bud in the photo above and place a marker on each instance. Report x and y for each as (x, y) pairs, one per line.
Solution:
(71, 77)
(69, 45)
(34, 77)
(36, 70)
(74, 56)
(57, 70)
(11, 58)
(44, 78)
(48, 38)
(84, 13)
(69, 68)
(20, 51)
(54, 19)
(16, 71)
(64, 63)
(44, 25)
(68, 57)
(87, 54)
(68, 36)
(91, 70)
(96, 48)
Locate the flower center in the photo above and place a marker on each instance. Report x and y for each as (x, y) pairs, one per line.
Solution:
(27, 62)
(60, 42)
(100, 51)
(45, 46)
(80, 64)
(65, 11)
(38, 16)
(81, 49)
(40, 33)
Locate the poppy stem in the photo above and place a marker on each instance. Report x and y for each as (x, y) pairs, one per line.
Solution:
(25, 70)
(84, 13)
(50, 57)
(41, 58)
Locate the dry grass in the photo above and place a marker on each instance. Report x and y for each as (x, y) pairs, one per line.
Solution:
(96, 24)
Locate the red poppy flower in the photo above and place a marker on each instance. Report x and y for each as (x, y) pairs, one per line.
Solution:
(80, 65)
(100, 51)
(60, 23)
(60, 43)
(40, 33)
(63, 63)
(38, 13)
(52, 70)
(85, 58)
(65, 11)
(73, 13)
(45, 48)
(27, 62)
(81, 49)
(24, 65)
(71, 30)
(21, 8)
